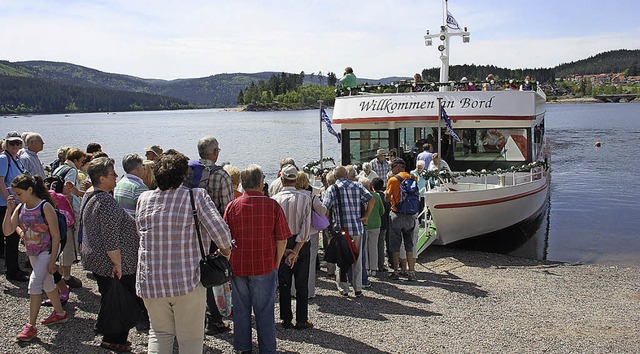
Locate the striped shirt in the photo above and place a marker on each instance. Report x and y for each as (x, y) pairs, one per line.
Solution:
(169, 255)
(297, 209)
(352, 197)
(256, 222)
(217, 183)
(128, 191)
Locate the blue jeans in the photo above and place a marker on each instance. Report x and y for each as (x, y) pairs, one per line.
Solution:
(257, 292)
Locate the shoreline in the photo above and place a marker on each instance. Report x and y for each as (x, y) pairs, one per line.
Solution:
(565, 100)
(463, 301)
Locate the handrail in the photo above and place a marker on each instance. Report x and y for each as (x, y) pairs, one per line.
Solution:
(515, 179)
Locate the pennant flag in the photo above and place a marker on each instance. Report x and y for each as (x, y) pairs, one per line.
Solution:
(451, 22)
(447, 122)
(327, 121)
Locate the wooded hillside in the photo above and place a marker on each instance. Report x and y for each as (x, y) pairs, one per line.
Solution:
(20, 95)
(57, 85)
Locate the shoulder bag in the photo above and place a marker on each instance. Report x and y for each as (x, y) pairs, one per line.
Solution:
(318, 222)
(214, 268)
(342, 249)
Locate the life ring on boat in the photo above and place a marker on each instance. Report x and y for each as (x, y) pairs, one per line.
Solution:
(495, 138)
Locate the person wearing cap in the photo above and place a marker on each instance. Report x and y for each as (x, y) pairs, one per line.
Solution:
(295, 263)
(152, 152)
(401, 225)
(276, 184)
(29, 157)
(217, 182)
(381, 165)
(347, 214)
(10, 168)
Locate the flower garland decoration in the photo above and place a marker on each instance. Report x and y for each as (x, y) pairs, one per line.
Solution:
(410, 86)
(312, 168)
(448, 175)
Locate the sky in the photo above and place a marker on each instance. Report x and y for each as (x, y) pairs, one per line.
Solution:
(198, 38)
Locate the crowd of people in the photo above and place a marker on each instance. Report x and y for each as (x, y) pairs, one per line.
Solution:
(139, 230)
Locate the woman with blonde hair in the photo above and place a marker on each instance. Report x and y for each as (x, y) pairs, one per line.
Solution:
(148, 178)
(234, 173)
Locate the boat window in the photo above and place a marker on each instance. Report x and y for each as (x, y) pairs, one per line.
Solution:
(491, 145)
(363, 144)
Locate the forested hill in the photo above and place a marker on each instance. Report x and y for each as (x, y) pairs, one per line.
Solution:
(62, 81)
(25, 95)
(213, 91)
(616, 61)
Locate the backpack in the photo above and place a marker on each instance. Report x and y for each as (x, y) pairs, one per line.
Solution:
(194, 175)
(62, 226)
(409, 196)
(55, 182)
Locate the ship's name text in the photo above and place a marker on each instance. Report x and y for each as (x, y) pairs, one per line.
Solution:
(389, 106)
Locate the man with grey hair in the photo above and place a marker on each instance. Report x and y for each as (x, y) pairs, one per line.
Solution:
(29, 157)
(130, 186)
(214, 178)
(260, 231)
(217, 182)
(380, 164)
(352, 174)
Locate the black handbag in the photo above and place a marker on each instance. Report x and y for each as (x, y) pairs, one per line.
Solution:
(214, 268)
(342, 249)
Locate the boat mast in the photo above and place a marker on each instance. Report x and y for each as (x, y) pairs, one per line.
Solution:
(448, 22)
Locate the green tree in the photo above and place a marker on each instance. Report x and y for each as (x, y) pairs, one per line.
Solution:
(240, 98)
(331, 79)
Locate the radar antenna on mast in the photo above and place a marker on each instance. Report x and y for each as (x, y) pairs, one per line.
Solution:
(448, 23)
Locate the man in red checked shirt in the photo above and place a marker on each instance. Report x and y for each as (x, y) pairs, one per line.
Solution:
(260, 231)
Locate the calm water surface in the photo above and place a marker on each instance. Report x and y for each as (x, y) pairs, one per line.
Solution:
(594, 209)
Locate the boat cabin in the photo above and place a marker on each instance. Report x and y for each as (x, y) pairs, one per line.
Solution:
(496, 129)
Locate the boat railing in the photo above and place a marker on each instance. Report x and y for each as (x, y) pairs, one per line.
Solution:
(485, 182)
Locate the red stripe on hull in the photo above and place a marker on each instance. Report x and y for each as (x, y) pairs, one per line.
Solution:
(419, 118)
(490, 201)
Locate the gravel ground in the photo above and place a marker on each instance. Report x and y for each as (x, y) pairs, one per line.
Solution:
(463, 301)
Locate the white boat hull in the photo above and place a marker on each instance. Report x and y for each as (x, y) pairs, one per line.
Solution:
(471, 210)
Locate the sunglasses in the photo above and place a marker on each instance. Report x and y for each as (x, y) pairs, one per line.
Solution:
(14, 142)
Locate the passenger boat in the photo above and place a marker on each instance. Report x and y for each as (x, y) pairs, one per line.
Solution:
(500, 165)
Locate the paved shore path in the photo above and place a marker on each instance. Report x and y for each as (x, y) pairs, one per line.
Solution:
(463, 302)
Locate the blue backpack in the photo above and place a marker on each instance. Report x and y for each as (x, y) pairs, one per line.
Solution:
(409, 196)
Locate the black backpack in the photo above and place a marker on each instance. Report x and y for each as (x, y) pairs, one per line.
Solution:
(55, 182)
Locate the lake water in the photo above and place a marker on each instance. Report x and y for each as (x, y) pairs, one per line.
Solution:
(594, 209)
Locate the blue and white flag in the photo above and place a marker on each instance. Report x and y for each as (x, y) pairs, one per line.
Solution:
(327, 121)
(451, 22)
(447, 122)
